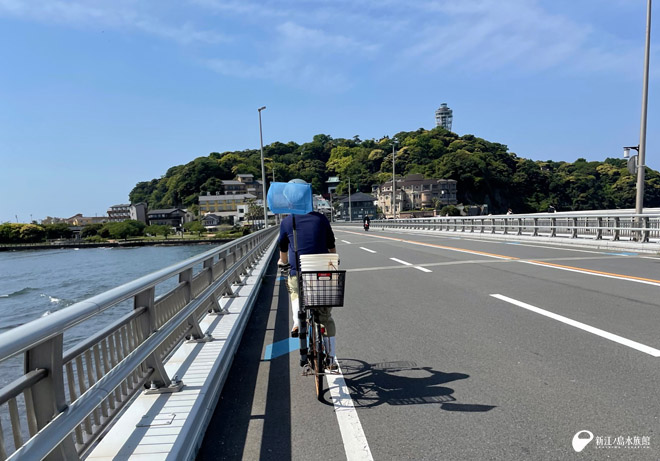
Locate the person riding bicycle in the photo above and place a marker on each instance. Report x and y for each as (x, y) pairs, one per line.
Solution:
(314, 236)
(366, 221)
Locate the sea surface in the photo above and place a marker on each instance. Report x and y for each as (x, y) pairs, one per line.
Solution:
(38, 282)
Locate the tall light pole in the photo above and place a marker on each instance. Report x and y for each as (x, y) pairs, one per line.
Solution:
(393, 181)
(350, 208)
(263, 170)
(641, 165)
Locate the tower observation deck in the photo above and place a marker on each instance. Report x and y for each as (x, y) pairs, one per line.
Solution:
(444, 116)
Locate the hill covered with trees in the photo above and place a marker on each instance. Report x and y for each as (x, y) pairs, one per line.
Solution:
(486, 172)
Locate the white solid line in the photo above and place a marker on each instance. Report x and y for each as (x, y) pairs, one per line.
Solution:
(617, 277)
(346, 241)
(423, 269)
(367, 249)
(401, 262)
(583, 326)
(352, 434)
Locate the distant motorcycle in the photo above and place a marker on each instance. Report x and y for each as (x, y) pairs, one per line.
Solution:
(366, 225)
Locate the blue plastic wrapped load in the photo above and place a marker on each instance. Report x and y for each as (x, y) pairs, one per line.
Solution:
(290, 198)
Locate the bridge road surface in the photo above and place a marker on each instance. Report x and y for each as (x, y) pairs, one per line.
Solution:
(458, 349)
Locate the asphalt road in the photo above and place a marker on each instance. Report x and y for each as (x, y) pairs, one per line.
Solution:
(458, 349)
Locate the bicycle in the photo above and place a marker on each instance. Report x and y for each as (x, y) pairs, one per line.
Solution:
(317, 289)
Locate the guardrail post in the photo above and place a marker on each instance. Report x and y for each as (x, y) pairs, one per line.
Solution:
(48, 397)
(647, 230)
(553, 227)
(599, 231)
(196, 334)
(506, 222)
(160, 381)
(519, 226)
(574, 231)
(616, 228)
(536, 227)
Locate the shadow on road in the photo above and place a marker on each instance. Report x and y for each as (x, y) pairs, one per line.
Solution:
(248, 404)
(402, 383)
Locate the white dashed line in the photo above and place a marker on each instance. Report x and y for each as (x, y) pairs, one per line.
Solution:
(423, 269)
(346, 241)
(367, 249)
(583, 326)
(401, 262)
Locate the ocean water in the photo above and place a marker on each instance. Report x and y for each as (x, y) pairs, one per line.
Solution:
(38, 282)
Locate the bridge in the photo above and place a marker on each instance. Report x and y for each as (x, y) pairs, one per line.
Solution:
(462, 338)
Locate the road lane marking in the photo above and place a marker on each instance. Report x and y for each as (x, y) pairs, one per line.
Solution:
(583, 326)
(401, 262)
(352, 434)
(281, 348)
(367, 249)
(610, 275)
(443, 247)
(346, 241)
(423, 269)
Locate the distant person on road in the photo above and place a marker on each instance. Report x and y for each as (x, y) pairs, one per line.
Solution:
(551, 209)
(314, 236)
(366, 221)
(509, 211)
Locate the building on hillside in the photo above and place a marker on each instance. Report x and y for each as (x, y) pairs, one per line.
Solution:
(80, 220)
(223, 204)
(173, 217)
(444, 117)
(361, 205)
(322, 205)
(211, 220)
(241, 185)
(414, 193)
(123, 212)
(117, 213)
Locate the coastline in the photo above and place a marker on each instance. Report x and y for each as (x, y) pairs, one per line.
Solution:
(117, 244)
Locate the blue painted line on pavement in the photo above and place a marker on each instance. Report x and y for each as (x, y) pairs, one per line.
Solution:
(281, 348)
(623, 253)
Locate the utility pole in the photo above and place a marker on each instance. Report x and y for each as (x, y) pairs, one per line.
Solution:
(641, 165)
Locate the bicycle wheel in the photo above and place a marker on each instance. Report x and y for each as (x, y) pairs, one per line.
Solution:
(318, 358)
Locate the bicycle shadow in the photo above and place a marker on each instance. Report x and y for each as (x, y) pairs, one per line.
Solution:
(402, 383)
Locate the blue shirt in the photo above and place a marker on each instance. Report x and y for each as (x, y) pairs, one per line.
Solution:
(313, 232)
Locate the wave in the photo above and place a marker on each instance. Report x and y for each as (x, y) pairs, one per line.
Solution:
(59, 301)
(18, 293)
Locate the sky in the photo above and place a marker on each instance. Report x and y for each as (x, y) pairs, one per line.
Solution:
(98, 95)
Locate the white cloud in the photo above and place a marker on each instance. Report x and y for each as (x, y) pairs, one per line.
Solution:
(120, 14)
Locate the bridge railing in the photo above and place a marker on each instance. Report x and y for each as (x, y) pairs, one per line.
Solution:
(65, 399)
(643, 228)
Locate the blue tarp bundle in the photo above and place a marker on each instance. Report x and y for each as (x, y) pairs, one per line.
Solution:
(290, 198)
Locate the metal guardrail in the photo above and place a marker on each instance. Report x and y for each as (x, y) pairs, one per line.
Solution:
(66, 399)
(632, 227)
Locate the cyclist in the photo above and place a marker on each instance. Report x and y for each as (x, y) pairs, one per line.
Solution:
(314, 236)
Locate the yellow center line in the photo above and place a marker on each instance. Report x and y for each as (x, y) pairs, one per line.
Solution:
(511, 258)
(592, 271)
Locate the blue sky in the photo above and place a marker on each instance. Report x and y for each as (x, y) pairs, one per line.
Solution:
(96, 96)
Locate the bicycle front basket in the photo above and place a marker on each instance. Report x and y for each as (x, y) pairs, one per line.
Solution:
(323, 288)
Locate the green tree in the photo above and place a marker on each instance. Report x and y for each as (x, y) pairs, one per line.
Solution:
(59, 230)
(32, 233)
(194, 227)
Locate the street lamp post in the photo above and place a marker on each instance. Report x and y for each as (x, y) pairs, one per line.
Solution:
(350, 208)
(393, 181)
(641, 165)
(263, 170)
